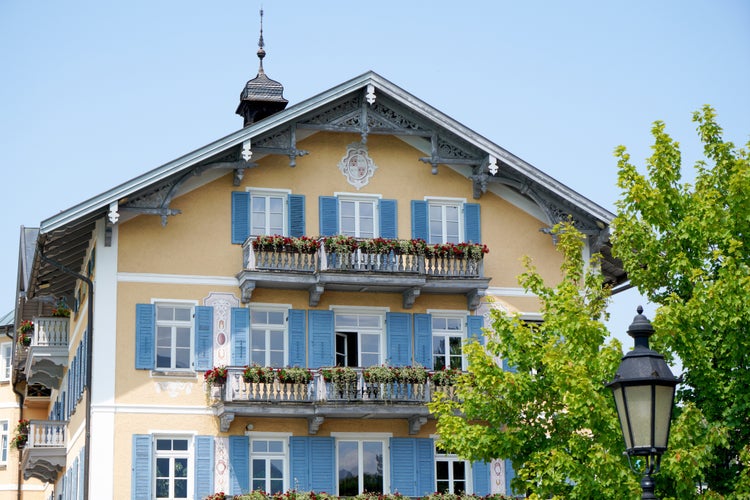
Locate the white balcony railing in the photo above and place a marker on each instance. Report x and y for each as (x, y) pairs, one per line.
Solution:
(47, 434)
(50, 332)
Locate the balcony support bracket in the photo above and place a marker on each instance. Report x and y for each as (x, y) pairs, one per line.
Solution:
(225, 421)
(474, 299)
(415, 423)
(314, 423)
(315, 292)
(246, 290)
(410, 296)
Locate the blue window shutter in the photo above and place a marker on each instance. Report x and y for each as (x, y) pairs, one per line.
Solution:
(403, 466)
(329, 215)
(398, 331)
(296, 215)
(145, 326)
(475, 324)
(240, 336)
(239, 465)
(472, 223)
(204, 466)
(204, 338)
(425, 466)
(81, 458)
(419, 220)
(322, 464)
(240, 216)
(388, 219)
(297, 337)
(140, 486)
(510, 474)
(299, 452)
(320, 328)
(423, 340)
(481, 474)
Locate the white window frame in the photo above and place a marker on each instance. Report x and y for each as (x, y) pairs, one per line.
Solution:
(451, 459)
(283, 437)
(6, 365)
(445, 202)
(172, 454)
(363, 311)
(4, 441)
(182, 304)
(360, 438)
(268, 193)
(462, 317)
(282, 308)
(359, 198)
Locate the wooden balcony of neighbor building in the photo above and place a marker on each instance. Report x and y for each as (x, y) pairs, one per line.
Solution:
(47, 354)
(43, 456)
(361, 270)
(322, 398)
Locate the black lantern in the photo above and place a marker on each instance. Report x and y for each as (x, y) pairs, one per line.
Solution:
(644, 395)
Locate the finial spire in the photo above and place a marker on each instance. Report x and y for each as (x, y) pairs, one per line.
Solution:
(261, 50)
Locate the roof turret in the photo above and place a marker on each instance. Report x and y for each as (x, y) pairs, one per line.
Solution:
(261, 96)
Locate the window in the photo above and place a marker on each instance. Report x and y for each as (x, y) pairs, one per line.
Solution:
(358, 217)
(174, 329)
(268, 337)
(5, 361)
(444, 222)
(172, 474)
(3, 441)
(451, 474)
(447, 342)
(359, 339)
(360, 467)
(267, 212)
(267, 465)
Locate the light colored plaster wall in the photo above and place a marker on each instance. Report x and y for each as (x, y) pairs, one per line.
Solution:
(197, 242)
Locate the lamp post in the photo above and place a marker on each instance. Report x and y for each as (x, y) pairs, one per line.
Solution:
(644, 395)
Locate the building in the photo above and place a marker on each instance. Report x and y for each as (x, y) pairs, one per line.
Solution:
(136, 293)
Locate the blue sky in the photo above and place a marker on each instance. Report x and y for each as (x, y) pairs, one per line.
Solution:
(93, 93)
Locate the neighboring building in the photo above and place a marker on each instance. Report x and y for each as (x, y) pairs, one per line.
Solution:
(164, 284)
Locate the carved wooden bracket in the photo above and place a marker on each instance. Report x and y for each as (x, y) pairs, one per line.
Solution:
(415, 423)
(315, 292)
(314, 423)
(225, 421)
(409, 296)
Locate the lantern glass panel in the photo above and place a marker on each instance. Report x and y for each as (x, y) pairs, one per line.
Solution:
(622, 413)
(640, 413)
(663, 413)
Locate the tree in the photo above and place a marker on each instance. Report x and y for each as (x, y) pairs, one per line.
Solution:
(687, 249)
(551, 414)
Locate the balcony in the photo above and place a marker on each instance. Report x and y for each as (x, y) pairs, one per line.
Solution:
(44, 453)
(47, 355)
(361, 270)
(320, 399)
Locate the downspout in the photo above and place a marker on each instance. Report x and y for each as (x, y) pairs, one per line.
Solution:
(21, 399)
(89, 359)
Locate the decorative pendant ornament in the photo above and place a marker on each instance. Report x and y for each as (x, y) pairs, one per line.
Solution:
(356, 165)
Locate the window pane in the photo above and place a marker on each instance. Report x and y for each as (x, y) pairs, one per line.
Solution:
(164, 336)
(276, 446)
(277, 469)
(459, 470)
(183, 337)
(441, 470)
(180, 488)
(162, 488)
(372, 462)
(259, 317)
(348, 469)
(259, 469)
(162, 467)
(260, 446)
(369, 321)
(438, 345)
(370, 359)
(276, 224)
(439, 323)
(347, 208)
(259, 484)
(343, 320)
(276, 359)
(258, 339)
(180, 467)
(276, 204)
(370, 343)
(182, 358)
(275, 318)
(455, 343)
(277, 341)
(182, 314)
(452, 324)
(164, 313)
(259, 358)
(163, 358)
(277, 485)
(180, 444)
(258, 204)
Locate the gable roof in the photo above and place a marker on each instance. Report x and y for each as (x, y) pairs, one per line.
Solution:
(336, 109)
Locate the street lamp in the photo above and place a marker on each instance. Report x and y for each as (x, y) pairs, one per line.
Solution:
(644, 395)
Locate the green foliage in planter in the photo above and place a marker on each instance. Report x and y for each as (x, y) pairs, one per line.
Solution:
(380, 374)
(445, 377)
(256, 374)
(295, 375)
(412, 374)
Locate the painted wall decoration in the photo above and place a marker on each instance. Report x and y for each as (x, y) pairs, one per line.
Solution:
(356, 165)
